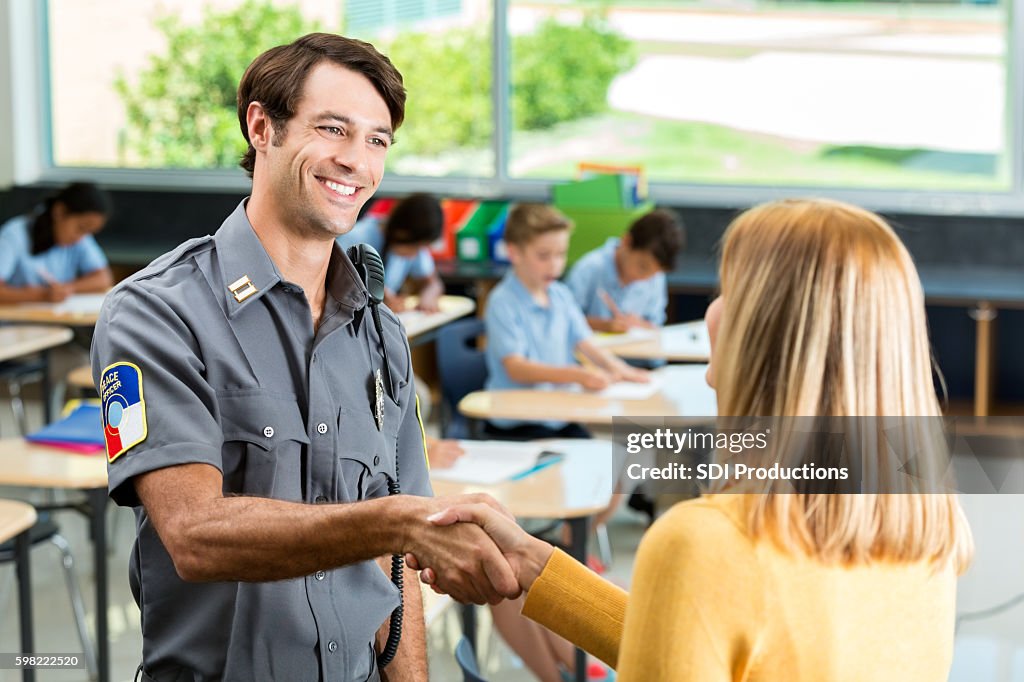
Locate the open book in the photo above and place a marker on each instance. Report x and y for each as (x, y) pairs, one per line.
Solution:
(494, 461)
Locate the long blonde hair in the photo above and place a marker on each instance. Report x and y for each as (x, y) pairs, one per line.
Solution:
(824, 317)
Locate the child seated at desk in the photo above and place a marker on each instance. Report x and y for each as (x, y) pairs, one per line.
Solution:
(622, 284)
(535, 328)
(50, 253)
(403, 242)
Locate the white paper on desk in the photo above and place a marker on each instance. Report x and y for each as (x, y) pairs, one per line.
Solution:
(80, 304)
(634, 335)
(490, 461)
(691, 337)
(628, 390)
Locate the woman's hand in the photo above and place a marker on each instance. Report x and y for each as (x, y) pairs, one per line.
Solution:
(526, 554)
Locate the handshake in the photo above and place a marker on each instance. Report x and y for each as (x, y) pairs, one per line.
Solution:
(470, 547)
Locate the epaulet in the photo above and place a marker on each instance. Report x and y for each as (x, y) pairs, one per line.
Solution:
(173, 257)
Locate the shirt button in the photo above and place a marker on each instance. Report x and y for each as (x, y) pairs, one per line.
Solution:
(376, 460)
(320, 499)
(332, 646)
(321, 428)
(268, 431)
(320, 575)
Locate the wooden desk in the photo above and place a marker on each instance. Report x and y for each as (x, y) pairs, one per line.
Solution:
(25, 464)
(685, 393)
(78, 311)
(16, 519)
(19, 340)
(574, 489)
(685, 342)
(421, 327)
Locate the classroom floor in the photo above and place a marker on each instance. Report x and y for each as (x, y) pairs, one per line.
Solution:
(989, 648)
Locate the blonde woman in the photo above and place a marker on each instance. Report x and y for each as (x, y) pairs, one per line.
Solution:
(821, 314)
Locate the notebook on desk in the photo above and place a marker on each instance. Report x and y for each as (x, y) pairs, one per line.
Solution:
(492, 461)
(79, 430)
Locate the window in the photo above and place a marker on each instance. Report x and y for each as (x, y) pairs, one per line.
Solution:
(157, 90)
(907, 95)
(896, 104)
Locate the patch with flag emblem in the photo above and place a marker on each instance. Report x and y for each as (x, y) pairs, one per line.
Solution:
(124, 410)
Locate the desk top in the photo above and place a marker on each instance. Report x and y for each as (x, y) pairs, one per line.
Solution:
(26, 464)
(81, 310)
(578, 485)
(418, 323)
(15, 518)
(686, 342)
(684, 393)
(19, 340)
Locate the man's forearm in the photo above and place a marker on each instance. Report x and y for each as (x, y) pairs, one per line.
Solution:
(410, 663)
(258, 539)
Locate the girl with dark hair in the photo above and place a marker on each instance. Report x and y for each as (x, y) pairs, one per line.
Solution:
(49, 254)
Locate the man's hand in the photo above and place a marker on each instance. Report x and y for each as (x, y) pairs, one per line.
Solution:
(526, 554)
(57, 292)
(465, 561)
(624, 372)
(443, 454)
(429, 301)
(593, 379)
(394, 301)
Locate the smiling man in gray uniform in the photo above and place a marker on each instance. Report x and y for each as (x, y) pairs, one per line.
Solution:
(253, 422)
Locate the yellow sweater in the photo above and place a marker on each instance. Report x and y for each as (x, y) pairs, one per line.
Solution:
(710, 604)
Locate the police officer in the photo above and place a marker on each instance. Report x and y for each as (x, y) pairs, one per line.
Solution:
(252, 420)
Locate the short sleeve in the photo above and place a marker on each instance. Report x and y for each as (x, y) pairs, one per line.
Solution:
(657, 301)
(90, 256)
(505, 335)
(12, 247)
(422, 265)
(179, 407)
(579, 329)
(583, 284)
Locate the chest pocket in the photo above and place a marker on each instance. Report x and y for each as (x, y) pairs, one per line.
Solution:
(367, 457)
(264, 442)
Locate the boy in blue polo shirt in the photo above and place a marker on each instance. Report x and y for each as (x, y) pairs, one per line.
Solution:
(535, 328)
(403, 240)
(622, 284)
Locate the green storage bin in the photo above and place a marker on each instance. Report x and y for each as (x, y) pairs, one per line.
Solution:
(593, 226)
(603, 191)
(472, 242)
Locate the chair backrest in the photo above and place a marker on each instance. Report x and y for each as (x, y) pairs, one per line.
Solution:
(466, 658)
(461, 365)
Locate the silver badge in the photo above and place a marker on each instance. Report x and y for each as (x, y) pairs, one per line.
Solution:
(378, 411)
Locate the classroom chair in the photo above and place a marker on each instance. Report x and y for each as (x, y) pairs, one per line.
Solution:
(46, 530)
(17, 374)
(462, 369)
(466, 658)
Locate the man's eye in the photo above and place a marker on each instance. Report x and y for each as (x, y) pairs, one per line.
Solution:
(378, 141)
(331, 130)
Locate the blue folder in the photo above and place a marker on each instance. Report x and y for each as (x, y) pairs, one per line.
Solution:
(82, 426)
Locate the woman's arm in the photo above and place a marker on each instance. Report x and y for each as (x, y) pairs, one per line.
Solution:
(96, 282)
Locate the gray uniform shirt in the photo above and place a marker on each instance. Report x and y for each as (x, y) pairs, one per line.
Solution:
(283, 412)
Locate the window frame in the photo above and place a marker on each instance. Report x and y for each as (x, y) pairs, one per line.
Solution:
(25, 93)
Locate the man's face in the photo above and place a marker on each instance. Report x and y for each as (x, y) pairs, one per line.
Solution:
(329, 159)
(636, 265)
(541, 261)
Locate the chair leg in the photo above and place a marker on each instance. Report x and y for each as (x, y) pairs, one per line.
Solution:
(18, 406)
(77, 604)
(604, 545)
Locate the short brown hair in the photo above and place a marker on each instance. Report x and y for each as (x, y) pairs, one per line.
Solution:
(659, 233)
(277, 77)
(527, 221)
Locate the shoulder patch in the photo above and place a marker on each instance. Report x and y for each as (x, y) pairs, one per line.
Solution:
(124, 410)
